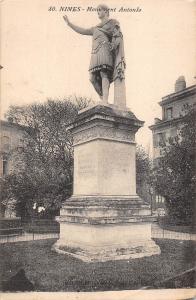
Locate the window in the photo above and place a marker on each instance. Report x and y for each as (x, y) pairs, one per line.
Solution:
(173, 132)
(164, 113)
(161, 138)
(5, 143)
(162, 152)
(5, 167)
(169, 113)
(20, 145)
(21, 142)
(155, 140)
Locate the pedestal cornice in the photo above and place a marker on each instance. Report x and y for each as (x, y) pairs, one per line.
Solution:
(105, 123)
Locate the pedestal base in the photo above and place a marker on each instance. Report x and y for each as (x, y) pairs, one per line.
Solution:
(101, 209)
(92, 243)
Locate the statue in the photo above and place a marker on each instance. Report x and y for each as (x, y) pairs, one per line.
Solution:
(107, 62)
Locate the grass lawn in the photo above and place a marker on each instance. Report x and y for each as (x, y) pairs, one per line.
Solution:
(50, 271)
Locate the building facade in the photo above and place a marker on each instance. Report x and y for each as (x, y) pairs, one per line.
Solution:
(12, 139)
(174, 106)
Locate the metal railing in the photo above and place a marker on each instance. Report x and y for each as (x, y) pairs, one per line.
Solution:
(157, 232)
(26, 236)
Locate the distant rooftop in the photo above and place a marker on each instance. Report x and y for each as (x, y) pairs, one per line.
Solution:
(181, 91)
(10, 123)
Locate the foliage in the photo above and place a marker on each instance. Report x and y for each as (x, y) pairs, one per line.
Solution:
(143, 173)
(174, 176)
(5, 196)
(43, 167)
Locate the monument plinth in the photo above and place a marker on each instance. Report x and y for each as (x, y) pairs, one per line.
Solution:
(105, 219)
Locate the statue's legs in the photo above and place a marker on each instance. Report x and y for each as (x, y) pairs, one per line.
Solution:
(96, 83)
(101, 84)
(105, 85)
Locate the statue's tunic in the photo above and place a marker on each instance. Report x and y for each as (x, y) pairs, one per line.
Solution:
(107, 51)
(101, 56)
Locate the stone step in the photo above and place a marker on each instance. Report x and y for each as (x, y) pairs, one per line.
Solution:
(105, 213)
(105, 220)
(105, 203)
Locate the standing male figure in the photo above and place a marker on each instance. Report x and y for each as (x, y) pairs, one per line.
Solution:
(107, 57)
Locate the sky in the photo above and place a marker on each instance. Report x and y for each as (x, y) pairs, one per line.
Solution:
(43, 58)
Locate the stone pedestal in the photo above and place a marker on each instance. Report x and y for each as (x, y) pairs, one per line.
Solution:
(105, 219)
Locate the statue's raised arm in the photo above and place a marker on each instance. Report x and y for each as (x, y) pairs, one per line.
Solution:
(78, 29)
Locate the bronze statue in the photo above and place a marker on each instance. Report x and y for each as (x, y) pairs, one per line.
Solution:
(107, 57)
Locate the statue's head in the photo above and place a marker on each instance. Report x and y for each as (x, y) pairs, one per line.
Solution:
(103, 11)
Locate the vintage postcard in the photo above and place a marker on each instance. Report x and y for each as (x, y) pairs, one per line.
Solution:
(97, 155)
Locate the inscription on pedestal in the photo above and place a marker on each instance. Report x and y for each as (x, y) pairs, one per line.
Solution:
(86, 166)
(121, 164)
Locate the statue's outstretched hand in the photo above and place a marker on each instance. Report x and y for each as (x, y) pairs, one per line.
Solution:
(66, 19)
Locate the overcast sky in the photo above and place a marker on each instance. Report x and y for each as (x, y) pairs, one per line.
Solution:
(43, 58)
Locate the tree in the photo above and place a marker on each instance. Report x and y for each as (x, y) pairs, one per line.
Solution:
(7, 202)
(43, 167)
(143, 174)
(175, 174)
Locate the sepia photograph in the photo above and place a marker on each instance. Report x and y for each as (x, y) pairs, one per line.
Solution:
(97, 152)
